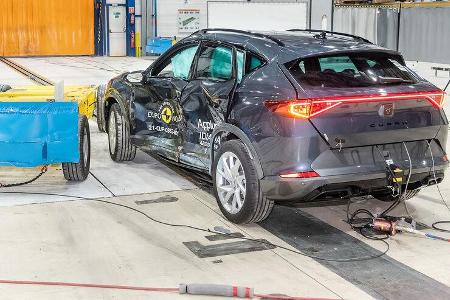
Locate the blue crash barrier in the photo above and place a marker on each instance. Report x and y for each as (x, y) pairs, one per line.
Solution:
(38, 133)
(157, 46)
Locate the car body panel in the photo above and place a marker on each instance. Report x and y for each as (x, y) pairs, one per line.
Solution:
(340, 144)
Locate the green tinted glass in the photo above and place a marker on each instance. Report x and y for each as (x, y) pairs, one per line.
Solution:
(181, 62)
(337, 64)
(221, 67)
(240, 65)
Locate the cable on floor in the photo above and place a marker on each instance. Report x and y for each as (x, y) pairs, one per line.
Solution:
(44, 170)
(363, 225)
(434, 225)
(191, 289)
(353, 259)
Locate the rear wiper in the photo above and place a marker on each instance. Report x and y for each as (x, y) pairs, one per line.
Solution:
(394, 80)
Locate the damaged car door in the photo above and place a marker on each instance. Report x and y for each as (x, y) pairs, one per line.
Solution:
(205, 100)
(156, 111)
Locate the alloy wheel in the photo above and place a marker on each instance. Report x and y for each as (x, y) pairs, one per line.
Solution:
(112, 132)
(230, 182)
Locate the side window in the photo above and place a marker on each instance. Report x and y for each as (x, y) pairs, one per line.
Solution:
(255, 62)
(178, 65)
(240, 64)
(301, 66)
(215, 63)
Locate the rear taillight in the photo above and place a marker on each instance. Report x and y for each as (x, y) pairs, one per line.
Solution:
(308, 108)
(438, 99)
(307, 174)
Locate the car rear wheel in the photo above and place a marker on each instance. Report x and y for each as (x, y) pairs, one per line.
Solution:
(237, 186)
(120, 147)
(80, 171)
(388, 197)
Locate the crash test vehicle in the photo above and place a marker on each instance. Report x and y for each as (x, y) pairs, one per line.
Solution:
(290, 116)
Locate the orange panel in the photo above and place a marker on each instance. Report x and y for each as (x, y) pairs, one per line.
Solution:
(46, 27)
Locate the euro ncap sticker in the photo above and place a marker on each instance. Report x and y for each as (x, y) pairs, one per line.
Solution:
(166, 114)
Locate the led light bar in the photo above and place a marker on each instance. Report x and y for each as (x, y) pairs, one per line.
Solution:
(308, 108)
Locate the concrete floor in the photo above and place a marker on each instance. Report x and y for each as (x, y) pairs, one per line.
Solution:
(59, 238)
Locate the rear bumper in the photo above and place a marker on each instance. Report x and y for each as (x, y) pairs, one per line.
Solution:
(319, 188)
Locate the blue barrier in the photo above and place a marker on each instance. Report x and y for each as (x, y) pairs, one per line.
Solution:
(38, 133)
(157, 46)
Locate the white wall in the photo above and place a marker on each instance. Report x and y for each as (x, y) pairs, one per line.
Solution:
(320, 8)
(168, 13)
(258, 16)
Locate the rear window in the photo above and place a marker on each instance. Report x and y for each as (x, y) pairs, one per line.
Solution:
(353, 70)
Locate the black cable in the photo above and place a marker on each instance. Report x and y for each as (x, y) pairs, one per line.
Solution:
(438, 228)
(46, 194)
(446, 86)
(43, 171)
(440, 194)
(356, 259)
(397, 202)
(364, 229)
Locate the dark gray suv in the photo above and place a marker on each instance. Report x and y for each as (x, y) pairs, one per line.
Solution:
(287, 116)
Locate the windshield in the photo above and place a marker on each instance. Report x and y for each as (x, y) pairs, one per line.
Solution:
(351, 70)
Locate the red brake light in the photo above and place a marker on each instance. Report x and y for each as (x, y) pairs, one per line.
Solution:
(438, 99)
(301, 109)
(308, 108)
(307, 174)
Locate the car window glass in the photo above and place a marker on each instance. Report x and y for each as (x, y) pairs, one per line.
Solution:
(371, 63)
(178, 66)
(255, 63)
(353, 70)
(301, 66)
(337, 64)
(215, 63)
(240, 57)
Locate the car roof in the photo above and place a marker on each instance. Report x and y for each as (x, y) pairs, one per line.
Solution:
(285, 46)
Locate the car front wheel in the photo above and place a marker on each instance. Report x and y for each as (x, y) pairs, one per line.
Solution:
(237, 186)
(120, 147)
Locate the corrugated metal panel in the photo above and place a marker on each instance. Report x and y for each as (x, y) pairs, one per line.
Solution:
(356, 20)
(376, 24)
(46, 27)
(424, 34)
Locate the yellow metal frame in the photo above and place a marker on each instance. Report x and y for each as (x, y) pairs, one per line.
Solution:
(85, 96)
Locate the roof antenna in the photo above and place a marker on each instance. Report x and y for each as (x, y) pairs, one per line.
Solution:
(322, 35)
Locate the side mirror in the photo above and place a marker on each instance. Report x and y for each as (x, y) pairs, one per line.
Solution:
(135, 77)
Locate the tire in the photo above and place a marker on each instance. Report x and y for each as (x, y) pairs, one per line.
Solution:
(100, 113)
(4, 88)
(255, 206)
(386, 197)
(80, 171)
(120, 147)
